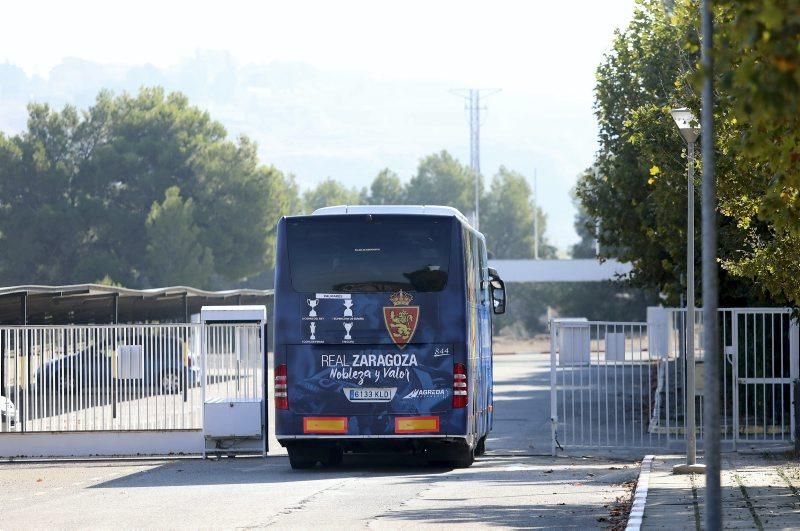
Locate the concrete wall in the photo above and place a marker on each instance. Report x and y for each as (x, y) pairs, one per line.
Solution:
(100, 443)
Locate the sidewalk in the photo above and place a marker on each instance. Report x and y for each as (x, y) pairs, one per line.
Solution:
(758, 492)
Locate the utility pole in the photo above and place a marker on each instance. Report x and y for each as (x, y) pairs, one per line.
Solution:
(475, 145)
(596, 171)
(713, 372)
(597, 239)
(535, 217)
(473, 105)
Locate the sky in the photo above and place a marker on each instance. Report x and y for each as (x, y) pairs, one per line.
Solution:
(370, 82)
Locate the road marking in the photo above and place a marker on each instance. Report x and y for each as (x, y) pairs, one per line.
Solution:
(40, 493)
(640, 496)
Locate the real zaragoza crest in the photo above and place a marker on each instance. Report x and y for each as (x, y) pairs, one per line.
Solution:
(401, 319)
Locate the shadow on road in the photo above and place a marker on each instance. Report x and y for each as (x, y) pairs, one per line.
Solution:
(491, 469)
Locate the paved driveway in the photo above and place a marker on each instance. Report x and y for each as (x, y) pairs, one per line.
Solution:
(509, 487)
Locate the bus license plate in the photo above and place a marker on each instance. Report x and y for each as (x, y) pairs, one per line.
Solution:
(382, 394)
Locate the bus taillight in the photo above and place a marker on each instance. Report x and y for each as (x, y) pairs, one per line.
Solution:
(281, 397)
(459, 385)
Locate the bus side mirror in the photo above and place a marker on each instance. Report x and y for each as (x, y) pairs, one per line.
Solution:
(498, 288)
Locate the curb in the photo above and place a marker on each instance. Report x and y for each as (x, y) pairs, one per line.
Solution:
(640, 496)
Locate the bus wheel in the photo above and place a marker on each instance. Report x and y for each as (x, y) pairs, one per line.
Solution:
(334, 457)
(462, 457)
(300, 459)
(481, 448)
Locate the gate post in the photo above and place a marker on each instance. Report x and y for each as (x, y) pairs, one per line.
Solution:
(203, 361)
(553, 391)
(794, 374)
(795, 414)
(735, 376)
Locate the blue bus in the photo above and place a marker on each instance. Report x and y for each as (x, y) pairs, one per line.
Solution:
(383, 334)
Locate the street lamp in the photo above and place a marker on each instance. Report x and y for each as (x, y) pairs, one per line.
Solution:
(689, 130)
(687, 125)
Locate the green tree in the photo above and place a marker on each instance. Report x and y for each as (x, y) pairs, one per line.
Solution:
(638, 191)
(330, 193)
(759, 139)
(638, 188)
(175, 254)
(586, 227)
(507, 218)
(602, 301)
(238, 203)
(284, 200)
(141, 145)
(156, 141)
(527, 312)
(43, 209)
(386, 189)
(76, 189)
(759, 59)
(442, 180)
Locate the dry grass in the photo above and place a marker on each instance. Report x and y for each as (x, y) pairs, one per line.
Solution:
(620, 510)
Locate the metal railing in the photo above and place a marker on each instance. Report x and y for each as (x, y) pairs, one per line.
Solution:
(234, 362)
(602, 382)
(124, 377)
(760, 352)
(624, 384)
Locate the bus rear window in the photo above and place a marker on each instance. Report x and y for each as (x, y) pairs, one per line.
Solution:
(356, 254)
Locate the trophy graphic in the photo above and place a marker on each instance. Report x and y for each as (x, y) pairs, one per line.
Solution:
(313, 330)
(313, 304)
(347, 327)
(348, 308)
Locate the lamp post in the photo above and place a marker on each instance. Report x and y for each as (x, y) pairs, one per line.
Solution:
(689, 130)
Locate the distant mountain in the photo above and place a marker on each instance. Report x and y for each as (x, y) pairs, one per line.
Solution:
(346, 125)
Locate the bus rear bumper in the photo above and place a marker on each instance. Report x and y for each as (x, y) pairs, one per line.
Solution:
(409, 443)
(288, 438)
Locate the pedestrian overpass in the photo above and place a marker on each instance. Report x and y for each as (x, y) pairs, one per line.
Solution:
(580, 270)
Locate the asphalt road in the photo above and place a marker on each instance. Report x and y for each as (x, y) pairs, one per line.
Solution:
(511, 486)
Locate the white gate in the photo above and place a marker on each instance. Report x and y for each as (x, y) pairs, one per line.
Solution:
(623, 384)
(760, 348)
(113, 378)
(603, 381)
(762, 363)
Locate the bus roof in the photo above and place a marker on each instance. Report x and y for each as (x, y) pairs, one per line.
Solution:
(429, 210)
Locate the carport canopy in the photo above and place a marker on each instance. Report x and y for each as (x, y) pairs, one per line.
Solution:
(101, 304)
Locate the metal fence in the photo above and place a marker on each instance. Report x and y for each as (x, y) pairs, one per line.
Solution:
(623, 384)
(760, 352)
(124, 377)
(602, 383)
